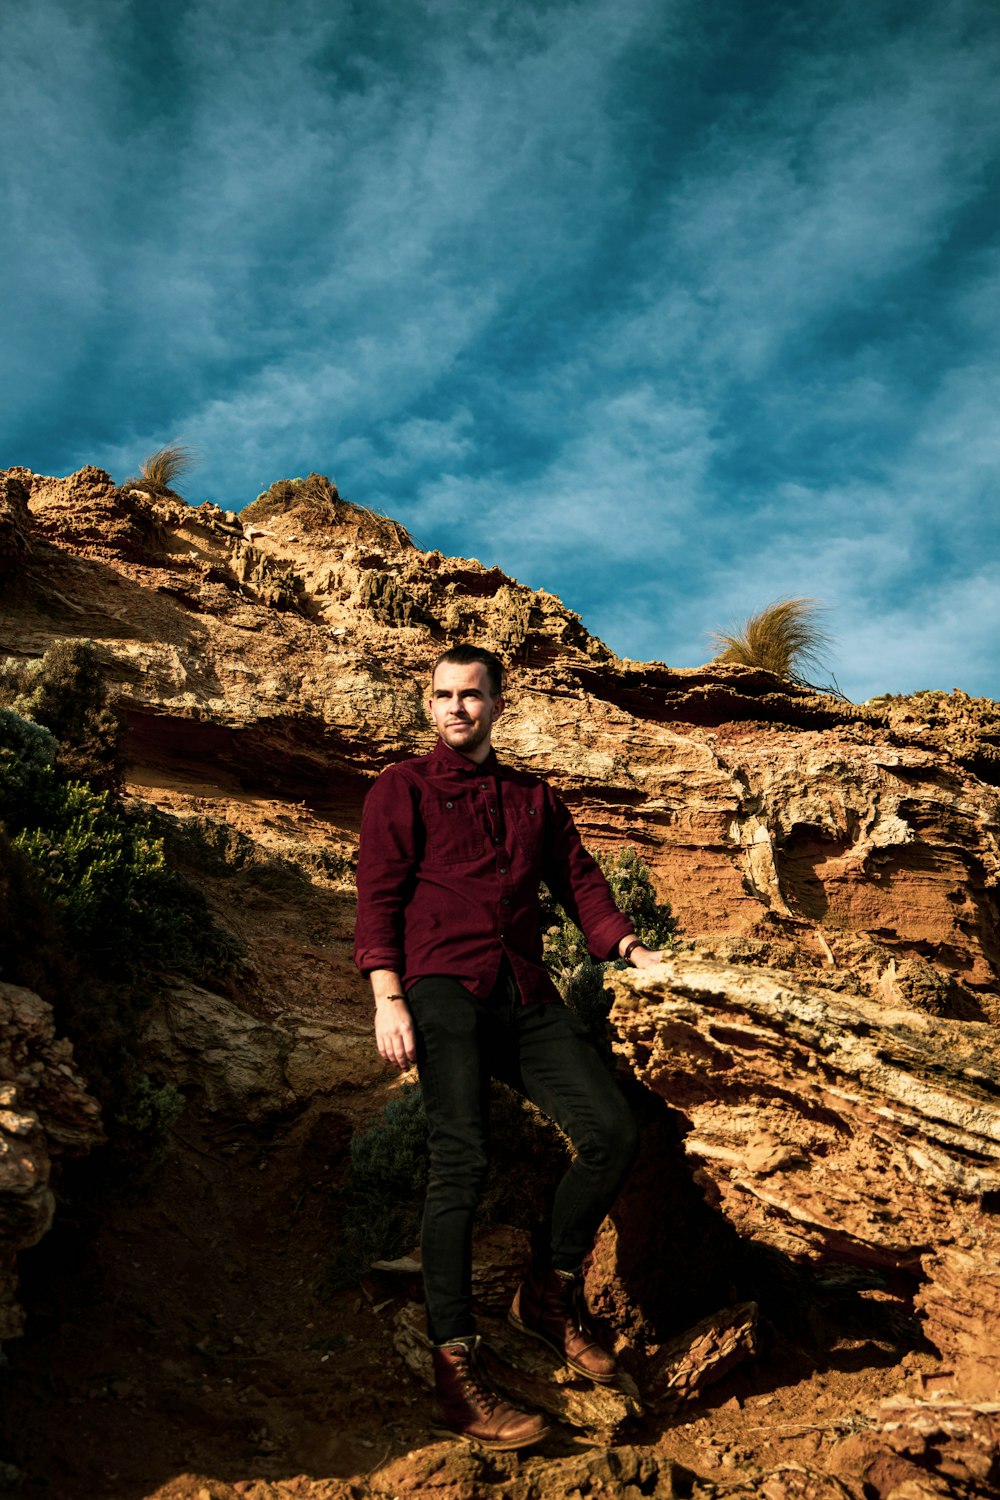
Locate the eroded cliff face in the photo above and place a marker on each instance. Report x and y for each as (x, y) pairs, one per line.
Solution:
(269, 665)
(816, 1070)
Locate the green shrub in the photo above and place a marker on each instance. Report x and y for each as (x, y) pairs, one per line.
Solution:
(27, 770)
(90, 914)
(105, 876)
(579, 977)
(33, 951)
(145, 1117)
(385, 1196)
(65, 692)
(102, 866)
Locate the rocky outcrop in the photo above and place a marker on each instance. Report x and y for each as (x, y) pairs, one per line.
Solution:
(835, 1130)
(825, 1046)
(45, 1113)
(242, 1067)
(925, 1448)
(86, 511)
(284, 650)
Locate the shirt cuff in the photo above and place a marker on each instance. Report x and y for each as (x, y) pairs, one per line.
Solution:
(366, 962)
(608, 934)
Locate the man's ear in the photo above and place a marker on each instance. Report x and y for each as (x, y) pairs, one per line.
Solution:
(499, 704)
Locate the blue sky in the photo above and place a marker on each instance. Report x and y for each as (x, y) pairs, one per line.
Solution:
(671, 307)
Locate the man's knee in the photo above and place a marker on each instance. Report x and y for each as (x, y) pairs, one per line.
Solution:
(460, 1178)
(611, 1144)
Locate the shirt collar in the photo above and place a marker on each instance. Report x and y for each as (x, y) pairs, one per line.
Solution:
(455, 761)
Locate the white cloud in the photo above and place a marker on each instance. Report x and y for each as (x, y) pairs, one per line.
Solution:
(454, 255)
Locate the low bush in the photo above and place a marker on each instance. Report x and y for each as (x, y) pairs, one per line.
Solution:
(580, 977)
(317, 501)
(384, 1197)
(65, 693)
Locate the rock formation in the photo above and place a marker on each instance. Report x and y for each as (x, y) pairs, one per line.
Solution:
(15, 523)
(821, 1040)
(45, 1113)
(284, 649)
(835, 1130)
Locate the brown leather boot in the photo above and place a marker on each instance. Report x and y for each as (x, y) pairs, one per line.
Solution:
(471, 1408)
(550, 1306)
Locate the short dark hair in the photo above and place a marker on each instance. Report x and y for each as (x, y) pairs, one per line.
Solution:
(464, 655)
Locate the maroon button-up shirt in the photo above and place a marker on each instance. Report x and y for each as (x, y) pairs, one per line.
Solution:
(451, 857)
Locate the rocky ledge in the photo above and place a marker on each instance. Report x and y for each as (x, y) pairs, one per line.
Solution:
(834, 1130)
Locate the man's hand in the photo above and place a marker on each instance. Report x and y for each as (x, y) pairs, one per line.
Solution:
(640, 957)
(644, 958)
(394, 1035)
(394, 1032)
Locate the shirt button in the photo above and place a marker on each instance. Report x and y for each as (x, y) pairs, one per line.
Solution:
(449, 804)
(493, 810)
(504, 900)
(503, 869)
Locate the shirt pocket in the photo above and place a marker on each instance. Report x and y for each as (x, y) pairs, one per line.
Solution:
(529, 831)
(455, 834)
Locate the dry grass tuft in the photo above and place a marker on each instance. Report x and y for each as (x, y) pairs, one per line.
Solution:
(784, 638)
(158, 472)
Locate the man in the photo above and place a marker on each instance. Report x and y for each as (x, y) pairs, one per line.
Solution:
(453, 847)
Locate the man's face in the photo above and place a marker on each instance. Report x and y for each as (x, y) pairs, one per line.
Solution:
(463, 708)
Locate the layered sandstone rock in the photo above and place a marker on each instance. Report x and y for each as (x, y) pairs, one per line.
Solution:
(280, 656)
(242, 1067)
(836, 1130)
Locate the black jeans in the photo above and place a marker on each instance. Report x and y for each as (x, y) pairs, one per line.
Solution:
(545, 1053)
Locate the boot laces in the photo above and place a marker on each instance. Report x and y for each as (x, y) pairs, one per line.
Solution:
(475, 1382)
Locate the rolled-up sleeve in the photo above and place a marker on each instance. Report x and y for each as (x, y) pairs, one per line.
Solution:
(390, 833)
(576, 881)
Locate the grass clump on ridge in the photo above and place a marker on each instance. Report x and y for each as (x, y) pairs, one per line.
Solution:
(783, 638)
(158, 472)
